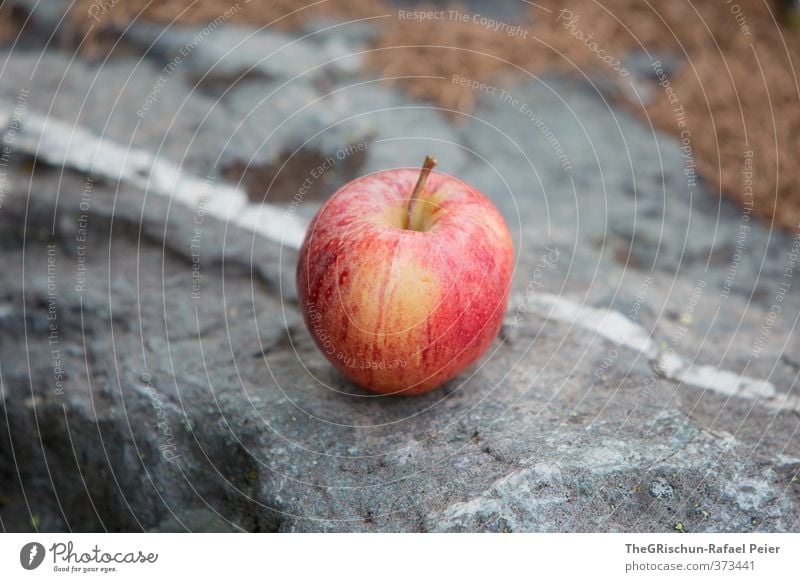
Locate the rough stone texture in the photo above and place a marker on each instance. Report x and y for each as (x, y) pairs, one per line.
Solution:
(270, 437)
(218, 413)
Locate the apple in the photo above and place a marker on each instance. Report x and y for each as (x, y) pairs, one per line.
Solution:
(403, 278)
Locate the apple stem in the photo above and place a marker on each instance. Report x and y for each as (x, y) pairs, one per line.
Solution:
(430, 162)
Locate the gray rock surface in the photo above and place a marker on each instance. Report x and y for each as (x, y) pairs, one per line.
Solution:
(180, 391)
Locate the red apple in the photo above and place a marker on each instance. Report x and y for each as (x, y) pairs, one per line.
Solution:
(403, 278)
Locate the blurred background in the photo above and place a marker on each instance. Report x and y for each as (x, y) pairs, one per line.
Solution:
(161, 159)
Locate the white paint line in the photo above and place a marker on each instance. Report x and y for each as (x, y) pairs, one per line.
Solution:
(63, 145)
(608, 323)
(722, 381)
(617, 328)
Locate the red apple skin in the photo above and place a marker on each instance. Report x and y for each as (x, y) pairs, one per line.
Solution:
(401, 311)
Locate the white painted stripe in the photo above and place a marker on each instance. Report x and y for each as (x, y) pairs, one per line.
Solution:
(610, 324)
(615, 327)
(61, 144)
